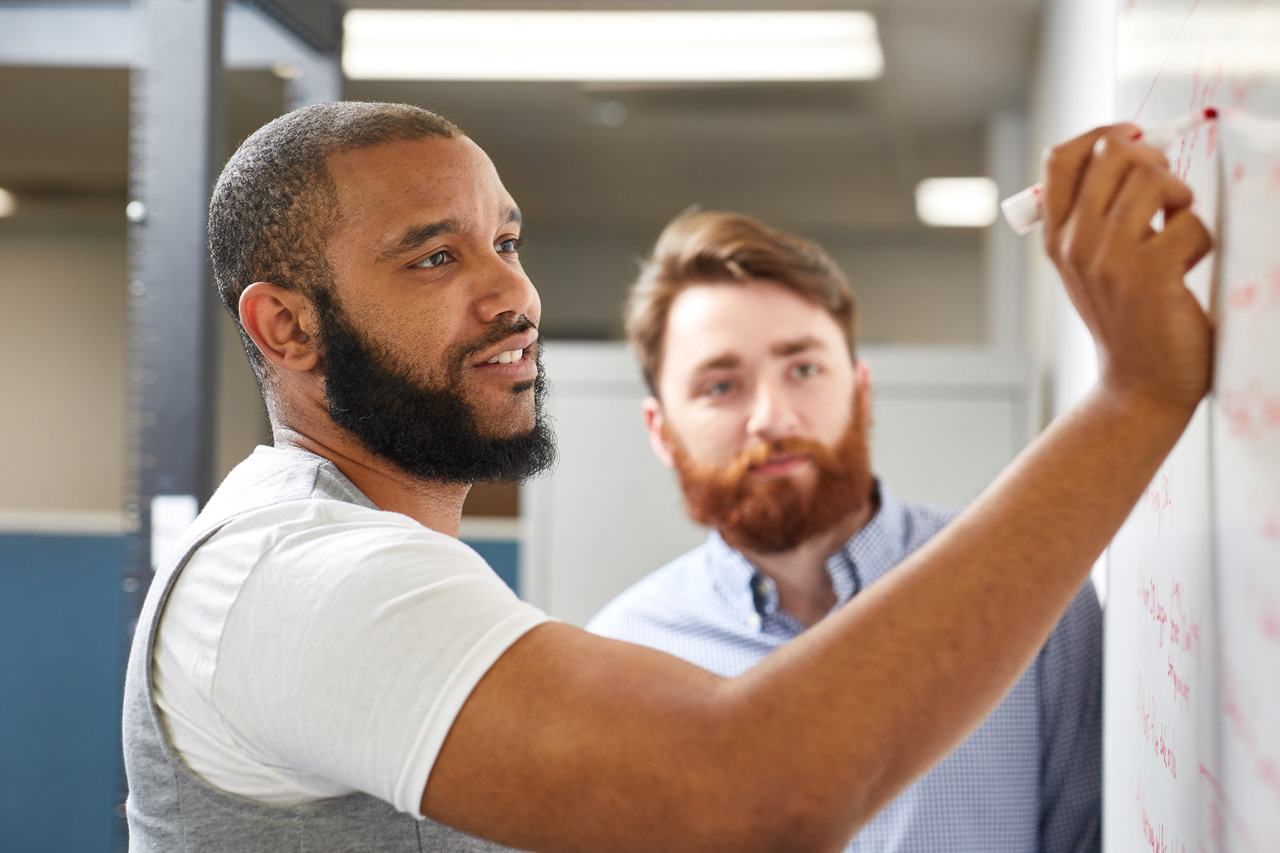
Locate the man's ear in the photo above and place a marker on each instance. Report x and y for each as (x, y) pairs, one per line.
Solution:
(278, 320)
(862, 374)
(655, 425)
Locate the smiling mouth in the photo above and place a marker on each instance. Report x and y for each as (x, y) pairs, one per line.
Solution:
(508, 357)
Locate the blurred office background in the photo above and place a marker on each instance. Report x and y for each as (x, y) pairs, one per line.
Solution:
(972, 346)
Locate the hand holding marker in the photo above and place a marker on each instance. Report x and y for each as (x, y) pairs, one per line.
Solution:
(1024, 210)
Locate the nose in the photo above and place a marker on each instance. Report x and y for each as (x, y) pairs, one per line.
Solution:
(505, 289)
(771, 415)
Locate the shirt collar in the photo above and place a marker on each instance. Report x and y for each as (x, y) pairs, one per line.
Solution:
(864, 558)
(750, 593)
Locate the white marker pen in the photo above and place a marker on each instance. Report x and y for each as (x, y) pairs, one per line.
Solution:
(1025, 210)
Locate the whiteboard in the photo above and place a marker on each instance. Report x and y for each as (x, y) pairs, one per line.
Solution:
(1192, 685)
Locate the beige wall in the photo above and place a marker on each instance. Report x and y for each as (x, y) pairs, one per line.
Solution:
(62, 353)
(62, 366)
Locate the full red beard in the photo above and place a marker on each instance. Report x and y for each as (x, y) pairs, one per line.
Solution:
(777, 515)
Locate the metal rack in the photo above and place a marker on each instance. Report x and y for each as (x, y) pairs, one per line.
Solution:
(177, 52)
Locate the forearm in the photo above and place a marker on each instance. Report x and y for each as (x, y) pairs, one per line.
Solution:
(909, 667)
(636, 750)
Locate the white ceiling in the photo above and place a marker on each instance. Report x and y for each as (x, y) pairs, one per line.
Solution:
(821, 156)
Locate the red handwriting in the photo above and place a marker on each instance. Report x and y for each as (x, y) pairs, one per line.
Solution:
(1225, 816)
(1181, 687)
(1242, 297)
(1237, 173)
(1270, 775)
(1238, 708)
(1250, 412)
(1182, 165)
(1160, 501)
(1267, 609)
(1270, 622)
(1153, 732)
(1153, 832)
(1249, 294)
(1170, 614)
(1233, 710)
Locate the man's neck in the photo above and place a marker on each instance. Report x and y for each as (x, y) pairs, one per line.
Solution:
(433, 504)
(800, 575)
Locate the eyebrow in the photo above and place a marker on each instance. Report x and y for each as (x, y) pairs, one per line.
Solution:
(416, 235)
(728, 361)
(798, 345)
(719, 362)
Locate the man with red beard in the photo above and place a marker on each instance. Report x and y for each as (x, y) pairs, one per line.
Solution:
(745, 337)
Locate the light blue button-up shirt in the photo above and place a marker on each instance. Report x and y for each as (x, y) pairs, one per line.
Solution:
(1029, 778)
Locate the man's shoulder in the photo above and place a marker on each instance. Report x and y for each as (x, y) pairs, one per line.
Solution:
(272, 475)
(901, 526)
(922, 520)
(283, 508)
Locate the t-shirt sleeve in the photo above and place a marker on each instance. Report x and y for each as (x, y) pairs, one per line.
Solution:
(353, 645)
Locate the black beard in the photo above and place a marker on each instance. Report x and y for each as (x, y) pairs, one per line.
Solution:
(429, 431)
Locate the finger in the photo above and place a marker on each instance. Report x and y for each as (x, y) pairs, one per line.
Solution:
(1113, 158)
(1063, 168)
(1185, 240)
(1145, 191)
(1105, 176)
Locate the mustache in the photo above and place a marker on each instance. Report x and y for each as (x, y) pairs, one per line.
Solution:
(760, 452)
(499, 331)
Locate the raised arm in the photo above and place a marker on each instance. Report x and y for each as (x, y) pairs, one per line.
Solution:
(576, 743)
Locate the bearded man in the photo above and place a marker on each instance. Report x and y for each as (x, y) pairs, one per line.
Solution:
(321, 665)
(745, 336)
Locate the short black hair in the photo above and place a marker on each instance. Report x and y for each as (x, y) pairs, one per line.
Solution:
(275, 203)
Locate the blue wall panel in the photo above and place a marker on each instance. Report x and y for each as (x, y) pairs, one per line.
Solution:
(503, 555)
(60, 691)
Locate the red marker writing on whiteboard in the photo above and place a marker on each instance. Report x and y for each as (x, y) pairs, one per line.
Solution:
(1026, 209)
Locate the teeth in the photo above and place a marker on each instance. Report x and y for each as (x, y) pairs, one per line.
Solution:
(507, 357)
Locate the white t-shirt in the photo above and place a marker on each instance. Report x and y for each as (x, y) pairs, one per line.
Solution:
(314, 648)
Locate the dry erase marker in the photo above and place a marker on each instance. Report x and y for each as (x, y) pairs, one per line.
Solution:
(1024, 210)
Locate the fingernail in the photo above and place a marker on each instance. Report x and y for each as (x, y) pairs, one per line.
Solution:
(1137, 134)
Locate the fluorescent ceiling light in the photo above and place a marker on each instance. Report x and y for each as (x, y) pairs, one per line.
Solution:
(385, 44)
(957, 202)
(8, 204)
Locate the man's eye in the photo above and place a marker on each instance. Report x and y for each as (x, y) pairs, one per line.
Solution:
(804, 371)
(510, 245)
(719, 389)
(433, 260)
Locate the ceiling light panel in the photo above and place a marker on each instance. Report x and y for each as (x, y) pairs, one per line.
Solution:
(383, 44)
(957, 202)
